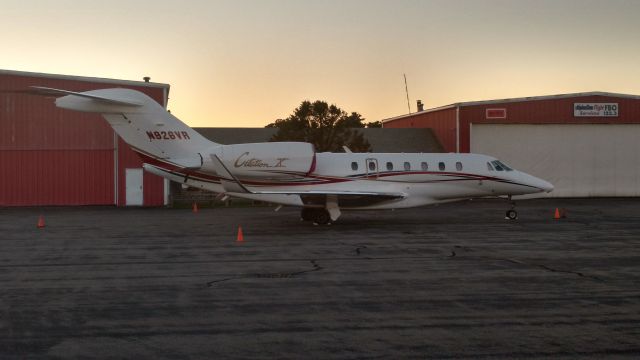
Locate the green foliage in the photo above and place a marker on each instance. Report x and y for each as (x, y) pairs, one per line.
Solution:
(374, 124)
(326, 126)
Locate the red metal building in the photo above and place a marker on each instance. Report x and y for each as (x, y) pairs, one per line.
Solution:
(51, 156)
(584, 143)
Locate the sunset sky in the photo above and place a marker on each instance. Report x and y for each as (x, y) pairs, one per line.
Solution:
(244, 63)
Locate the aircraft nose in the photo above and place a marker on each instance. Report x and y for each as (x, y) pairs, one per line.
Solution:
(541, 185)
(546, 186)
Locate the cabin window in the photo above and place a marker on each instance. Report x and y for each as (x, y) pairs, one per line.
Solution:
(459, 166)
(354, 166)
(441, 166)
(489, 166)
(372, 166)
(389, 165)
(424, 166)
(407, 166)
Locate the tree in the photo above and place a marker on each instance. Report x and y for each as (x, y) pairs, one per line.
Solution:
(374, 124)
(326, 126)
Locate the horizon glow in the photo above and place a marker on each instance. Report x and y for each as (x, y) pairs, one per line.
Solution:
(247, 63)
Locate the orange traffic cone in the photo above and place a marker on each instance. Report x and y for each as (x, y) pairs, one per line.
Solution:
(557, 214)
(195, 207)
(40, 222)
(240, 237)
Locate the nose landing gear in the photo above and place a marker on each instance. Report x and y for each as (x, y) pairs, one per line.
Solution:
(511, 214)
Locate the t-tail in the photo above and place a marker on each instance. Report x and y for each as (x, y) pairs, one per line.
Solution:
(141, 122)
(167, 144)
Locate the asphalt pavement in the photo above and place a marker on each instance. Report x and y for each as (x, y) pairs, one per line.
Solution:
(449, 281)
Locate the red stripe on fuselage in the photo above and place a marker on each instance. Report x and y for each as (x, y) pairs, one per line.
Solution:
(311, 179)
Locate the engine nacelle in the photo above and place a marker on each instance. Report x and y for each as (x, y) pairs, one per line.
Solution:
(273, 160)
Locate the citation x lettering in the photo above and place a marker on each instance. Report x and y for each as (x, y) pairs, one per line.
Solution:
(242, 161)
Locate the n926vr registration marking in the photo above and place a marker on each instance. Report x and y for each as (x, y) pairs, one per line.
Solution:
(168, 135)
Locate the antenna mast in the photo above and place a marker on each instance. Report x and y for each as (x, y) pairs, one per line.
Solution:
(406, 89)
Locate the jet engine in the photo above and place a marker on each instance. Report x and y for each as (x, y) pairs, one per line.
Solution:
(276, 160)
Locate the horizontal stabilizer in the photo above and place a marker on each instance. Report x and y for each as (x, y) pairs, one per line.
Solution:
(103, 99)
(190, 163)
(156, 170)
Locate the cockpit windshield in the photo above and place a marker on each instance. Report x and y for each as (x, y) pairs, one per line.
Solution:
(500, 166)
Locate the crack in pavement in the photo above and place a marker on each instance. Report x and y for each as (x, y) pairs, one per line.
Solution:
(276, 275)
(358, 247)
(522, 262)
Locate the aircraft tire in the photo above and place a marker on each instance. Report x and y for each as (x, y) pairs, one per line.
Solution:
(511, 214)
(321, 217)
(306, 214)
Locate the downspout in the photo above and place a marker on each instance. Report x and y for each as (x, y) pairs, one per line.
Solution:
(167, 186)
(458, 128)
(116, 169)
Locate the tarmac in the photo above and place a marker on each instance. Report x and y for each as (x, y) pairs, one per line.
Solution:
(449, 281)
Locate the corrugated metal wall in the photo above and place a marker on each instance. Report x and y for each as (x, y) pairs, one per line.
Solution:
(548, 111)
(443, 123)
(50, 156)
(56, 177)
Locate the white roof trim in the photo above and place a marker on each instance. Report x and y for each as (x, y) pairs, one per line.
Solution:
(520, 99)
(420, 112)
(549, 97)
(83, 78)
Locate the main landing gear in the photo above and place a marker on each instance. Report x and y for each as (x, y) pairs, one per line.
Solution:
(511, 214)
(319, 216)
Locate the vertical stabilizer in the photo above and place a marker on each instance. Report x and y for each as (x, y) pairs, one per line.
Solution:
(141, 122)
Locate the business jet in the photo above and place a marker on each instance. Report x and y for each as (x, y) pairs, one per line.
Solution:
(293, 173)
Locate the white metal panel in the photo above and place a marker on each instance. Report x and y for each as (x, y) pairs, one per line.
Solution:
(134, 191)
(580, 160)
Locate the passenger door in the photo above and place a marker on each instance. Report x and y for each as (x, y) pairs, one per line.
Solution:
(372, 167)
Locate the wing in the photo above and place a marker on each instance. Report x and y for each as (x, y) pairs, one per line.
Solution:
(309, 197)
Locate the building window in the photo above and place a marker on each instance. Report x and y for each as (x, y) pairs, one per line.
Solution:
(389, 165)
(407, 166)
(459, 166)
(354, 166)
(441, 166)
(424, 166)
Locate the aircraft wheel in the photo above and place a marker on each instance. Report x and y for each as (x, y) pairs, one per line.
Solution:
(512, 214)
(306, 214)
(321, 217)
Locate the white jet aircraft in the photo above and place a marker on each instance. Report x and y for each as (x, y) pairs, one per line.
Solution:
(293, 173)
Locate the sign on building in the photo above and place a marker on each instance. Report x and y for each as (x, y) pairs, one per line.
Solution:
(595, 109)
(498, 113)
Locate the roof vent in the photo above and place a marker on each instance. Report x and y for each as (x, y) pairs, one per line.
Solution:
(420, 106)
(146, 78)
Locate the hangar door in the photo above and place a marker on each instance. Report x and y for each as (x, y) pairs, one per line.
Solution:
(580, 160)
